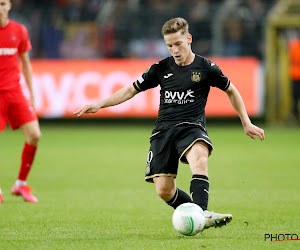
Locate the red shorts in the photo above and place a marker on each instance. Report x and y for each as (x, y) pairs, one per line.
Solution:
(15, 109)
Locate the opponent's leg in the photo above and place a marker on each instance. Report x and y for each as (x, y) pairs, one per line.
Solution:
(1, 198)
(197, 158)
(166, 189)
(32, 134)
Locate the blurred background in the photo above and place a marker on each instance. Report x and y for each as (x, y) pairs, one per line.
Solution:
(123, 31)
(131, 28)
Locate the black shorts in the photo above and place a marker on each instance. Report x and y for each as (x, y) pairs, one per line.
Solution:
(169, 146)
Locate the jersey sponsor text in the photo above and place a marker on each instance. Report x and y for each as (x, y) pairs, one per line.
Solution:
(179, 97)
(8, 51)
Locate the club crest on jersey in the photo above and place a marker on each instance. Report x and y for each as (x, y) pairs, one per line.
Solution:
(13, 37)
(196, 76)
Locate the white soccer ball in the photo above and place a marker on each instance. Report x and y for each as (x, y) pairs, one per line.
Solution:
(188, 219)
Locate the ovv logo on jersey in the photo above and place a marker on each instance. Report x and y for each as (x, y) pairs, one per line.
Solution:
(179, 97)
(196, 76)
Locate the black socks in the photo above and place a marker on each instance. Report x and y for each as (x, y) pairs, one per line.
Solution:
(179, 198)
(199, 190)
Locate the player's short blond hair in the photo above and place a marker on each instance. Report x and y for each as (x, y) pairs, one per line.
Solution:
(174, 25)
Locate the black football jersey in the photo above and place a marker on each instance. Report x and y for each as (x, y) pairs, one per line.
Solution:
(184, 89)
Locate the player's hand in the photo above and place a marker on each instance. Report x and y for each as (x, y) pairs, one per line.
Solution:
(252, 131)
(91, 108)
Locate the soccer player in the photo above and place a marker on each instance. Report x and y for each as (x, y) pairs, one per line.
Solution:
(180, 130)
(14, 108)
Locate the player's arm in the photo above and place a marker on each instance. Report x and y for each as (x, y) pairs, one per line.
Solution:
(27, 72)
(238, 104)
(118, 97)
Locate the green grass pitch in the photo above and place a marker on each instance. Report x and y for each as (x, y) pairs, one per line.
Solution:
(92, 195)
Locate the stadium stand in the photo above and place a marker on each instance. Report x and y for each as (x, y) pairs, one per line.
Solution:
(129, 28)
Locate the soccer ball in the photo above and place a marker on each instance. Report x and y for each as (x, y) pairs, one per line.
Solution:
(188, 219)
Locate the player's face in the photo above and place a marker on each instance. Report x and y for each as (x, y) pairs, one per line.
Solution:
(5, 6)
(179, 45)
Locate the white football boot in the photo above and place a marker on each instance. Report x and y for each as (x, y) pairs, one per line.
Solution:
(213, 219)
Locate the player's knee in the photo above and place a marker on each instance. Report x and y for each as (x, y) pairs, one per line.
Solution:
(201, 160)
(198, 155)
(34, 137)
(199, 165)
(165, 193)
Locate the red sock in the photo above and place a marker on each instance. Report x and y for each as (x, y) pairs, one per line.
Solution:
(27, 159)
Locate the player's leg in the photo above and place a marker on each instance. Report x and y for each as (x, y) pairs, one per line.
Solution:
(166, 190)
(32, 134)
(197, 157)
(1, 198)
(161, 168)
(3, 121)
(21, 115)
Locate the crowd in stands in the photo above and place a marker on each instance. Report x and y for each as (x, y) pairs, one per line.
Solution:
(132, 28)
